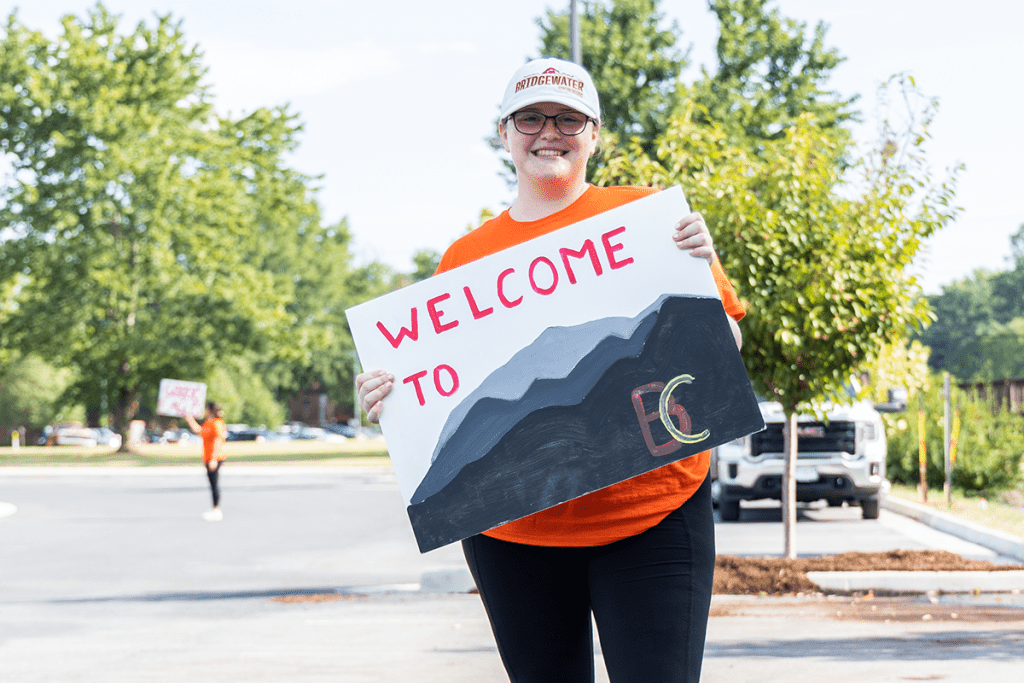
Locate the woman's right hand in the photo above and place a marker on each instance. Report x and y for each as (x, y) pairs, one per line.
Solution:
(372, 387)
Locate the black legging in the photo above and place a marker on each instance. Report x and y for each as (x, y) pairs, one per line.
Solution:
(211, 474)
(650, 595)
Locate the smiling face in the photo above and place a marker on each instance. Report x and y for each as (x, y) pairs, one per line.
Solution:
(549, 155)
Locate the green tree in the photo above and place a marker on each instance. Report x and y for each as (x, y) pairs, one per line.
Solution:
(426, 261)
(961, 311)
(315, 267)
(243, 396)
(770, 73)
(977, 330)
(819, 259)
(8, 291)
(138, 219)
(996, 352)
(30, 393)
(632, 57)
(1008, 285)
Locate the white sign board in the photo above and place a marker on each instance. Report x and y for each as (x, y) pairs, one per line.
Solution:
(178, 399)
(490, 345)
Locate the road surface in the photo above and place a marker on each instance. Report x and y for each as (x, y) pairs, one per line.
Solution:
(112, 576)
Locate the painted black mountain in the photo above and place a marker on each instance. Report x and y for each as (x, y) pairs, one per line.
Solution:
(557, 369)
(559, 453)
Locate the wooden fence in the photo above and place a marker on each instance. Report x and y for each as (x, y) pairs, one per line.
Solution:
(1001, 394)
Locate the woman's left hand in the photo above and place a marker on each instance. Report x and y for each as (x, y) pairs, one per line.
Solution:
(692, 233)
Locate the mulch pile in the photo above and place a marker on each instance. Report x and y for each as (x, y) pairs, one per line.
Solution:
(777, 576)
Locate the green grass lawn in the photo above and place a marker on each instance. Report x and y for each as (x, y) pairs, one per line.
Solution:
(990, 513)
(371, 452)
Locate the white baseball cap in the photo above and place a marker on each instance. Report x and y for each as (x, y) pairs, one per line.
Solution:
(551, 80)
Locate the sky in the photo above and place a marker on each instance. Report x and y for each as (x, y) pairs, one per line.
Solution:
(397, 99)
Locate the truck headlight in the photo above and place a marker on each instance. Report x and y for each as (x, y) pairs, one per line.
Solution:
(868, 431)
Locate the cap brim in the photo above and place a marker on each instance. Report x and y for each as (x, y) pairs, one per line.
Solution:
(557, 98)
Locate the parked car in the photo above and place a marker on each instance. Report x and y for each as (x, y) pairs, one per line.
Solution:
(255, 435)
(156, 436)
(347, 431)
(107, 437)
(296, 430)
(304, 432)
(71, 434)
(182, 437)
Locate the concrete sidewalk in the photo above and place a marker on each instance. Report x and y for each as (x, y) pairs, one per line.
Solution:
(998, 541)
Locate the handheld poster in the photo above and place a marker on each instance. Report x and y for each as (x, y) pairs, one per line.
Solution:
(557, 367)
(178, 399)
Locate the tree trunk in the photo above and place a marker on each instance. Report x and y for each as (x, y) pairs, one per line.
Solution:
(92, 416)
(789, 445)
(126, 408)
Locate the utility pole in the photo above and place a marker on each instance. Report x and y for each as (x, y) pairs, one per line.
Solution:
(922, 447)
(945, 438)
(574, 32)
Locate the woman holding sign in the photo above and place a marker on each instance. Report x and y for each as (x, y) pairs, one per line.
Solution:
(640, 554)
(213, 433)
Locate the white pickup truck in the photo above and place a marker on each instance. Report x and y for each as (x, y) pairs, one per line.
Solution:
(841, 459)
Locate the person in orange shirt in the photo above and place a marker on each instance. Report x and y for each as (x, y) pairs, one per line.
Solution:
(638, 555)
(213, 433)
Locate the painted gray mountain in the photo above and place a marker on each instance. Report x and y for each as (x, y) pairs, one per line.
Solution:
(559, 452)
(557, 369)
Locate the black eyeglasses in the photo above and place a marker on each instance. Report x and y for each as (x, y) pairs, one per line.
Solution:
(530, 122)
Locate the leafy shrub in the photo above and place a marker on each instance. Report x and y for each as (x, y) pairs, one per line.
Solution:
(990, 446)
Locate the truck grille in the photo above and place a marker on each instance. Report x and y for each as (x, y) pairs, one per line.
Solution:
(814, 437)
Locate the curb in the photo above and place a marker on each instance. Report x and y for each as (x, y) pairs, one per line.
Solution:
(1005, 544)
(920, 582)
(449, 580)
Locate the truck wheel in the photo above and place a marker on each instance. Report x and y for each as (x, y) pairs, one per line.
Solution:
(869, 508)
(729, 510)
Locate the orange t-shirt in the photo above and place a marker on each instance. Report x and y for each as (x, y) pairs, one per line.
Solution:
(629, 507)
(213, 433)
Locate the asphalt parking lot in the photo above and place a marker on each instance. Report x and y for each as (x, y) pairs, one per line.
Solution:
(314, 576)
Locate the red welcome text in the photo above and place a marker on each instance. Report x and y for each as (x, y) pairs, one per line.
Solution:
(511, 287)
(443, 374)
